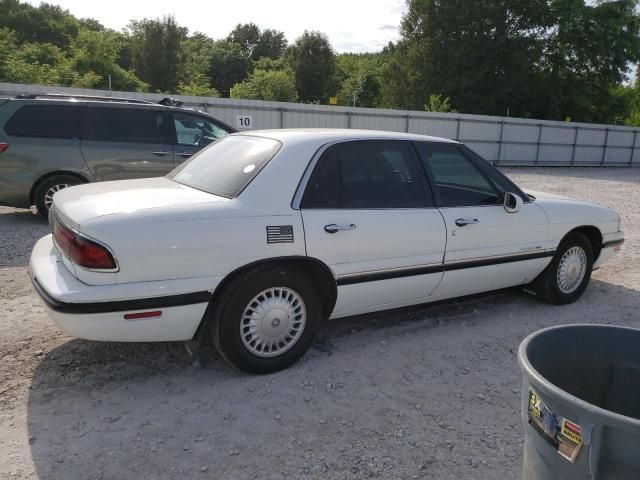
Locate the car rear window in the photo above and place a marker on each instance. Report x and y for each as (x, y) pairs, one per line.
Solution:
(227, 166)
(46, 121)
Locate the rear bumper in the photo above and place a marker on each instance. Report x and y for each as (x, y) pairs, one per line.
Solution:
(97, 312)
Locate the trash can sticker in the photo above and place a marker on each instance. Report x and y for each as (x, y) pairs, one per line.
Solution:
(563, 434)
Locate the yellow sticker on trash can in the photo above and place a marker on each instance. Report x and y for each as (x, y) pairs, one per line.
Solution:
(563, 434)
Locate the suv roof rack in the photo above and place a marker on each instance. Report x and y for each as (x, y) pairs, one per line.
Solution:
(82, 97)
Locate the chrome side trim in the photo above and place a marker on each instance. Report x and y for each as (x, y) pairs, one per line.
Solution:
(504, 256)
(388, 274)
(392, 273)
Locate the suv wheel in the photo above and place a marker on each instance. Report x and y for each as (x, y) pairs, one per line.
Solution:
(266, 319)
(44, 193)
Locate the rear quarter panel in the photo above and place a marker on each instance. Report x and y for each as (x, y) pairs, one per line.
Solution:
(194, 241)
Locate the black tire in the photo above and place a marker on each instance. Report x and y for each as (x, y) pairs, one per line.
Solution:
(228, 309)
(547, 285)
(40, 194)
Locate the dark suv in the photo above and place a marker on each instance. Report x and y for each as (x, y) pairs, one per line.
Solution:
(50, 142)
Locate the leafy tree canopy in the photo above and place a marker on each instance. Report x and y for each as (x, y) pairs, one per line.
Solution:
(313, 62)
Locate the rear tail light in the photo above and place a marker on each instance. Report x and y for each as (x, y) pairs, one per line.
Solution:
(81, 250)
(3, 147)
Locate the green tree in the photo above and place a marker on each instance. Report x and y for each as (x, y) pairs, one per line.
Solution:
(269, 64)
(228, 66)
(156, 52)
(246, 36)
(271, 44)
(45, 64)
(44, 24)
(480, 54)
(97, 52)
(588, 54)
(272, 85)
(255, 43)
(313, 62)
(197, 86)
(360, 79)
(436, 103)
(195, 53)
(7, 46)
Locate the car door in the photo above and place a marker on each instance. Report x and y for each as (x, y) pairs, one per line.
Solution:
(122, 141)
(487, 247)
(368, 214)
(193, 132)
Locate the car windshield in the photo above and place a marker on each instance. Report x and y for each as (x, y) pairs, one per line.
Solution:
(227, 166)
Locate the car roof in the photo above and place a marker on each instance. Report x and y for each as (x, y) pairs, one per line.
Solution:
(321, 136)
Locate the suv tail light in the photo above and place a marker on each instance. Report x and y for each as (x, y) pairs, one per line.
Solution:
(3, 147)
(81, 250)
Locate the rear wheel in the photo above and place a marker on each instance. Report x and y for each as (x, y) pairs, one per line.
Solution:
(266, 319)
(568, 274)
(44, 193)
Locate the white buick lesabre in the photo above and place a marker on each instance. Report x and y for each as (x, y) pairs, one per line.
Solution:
(262, 236)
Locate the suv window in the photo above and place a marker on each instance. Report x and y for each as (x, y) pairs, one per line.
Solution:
(46, 121)
(366, 174)
(459, 182)
(134, 125)
(227, 166)
(194, 130)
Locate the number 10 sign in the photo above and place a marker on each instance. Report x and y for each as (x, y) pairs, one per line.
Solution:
(244, 121)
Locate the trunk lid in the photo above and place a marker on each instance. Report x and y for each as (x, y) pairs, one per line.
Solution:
(84, 202)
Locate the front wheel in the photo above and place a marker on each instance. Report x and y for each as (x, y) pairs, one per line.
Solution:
(568, 274)
(265, 320)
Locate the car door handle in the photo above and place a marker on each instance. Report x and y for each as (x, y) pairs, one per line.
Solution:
(161, 153)
(184, 154)
(461, 222)
(334, 228)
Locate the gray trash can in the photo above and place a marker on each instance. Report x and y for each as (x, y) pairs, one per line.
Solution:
(581, 403)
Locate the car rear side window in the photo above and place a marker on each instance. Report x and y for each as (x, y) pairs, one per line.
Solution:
(366, 174)
(129, 125)
(227, 166)
(47, 121)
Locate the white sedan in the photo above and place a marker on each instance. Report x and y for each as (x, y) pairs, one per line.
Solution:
(262, 236)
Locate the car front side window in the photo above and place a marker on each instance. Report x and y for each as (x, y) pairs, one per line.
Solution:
(458, 181)
(194, 130)
(366, 175)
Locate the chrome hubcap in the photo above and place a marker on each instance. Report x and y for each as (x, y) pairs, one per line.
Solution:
(273, 322)
(48, 197)
(571, 270)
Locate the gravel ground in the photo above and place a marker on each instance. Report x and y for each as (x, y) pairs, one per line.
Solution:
(426, 392)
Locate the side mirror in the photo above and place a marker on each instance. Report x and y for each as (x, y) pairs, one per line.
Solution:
(512, 202)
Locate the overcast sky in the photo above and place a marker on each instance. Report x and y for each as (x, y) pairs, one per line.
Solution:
(352, 25)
